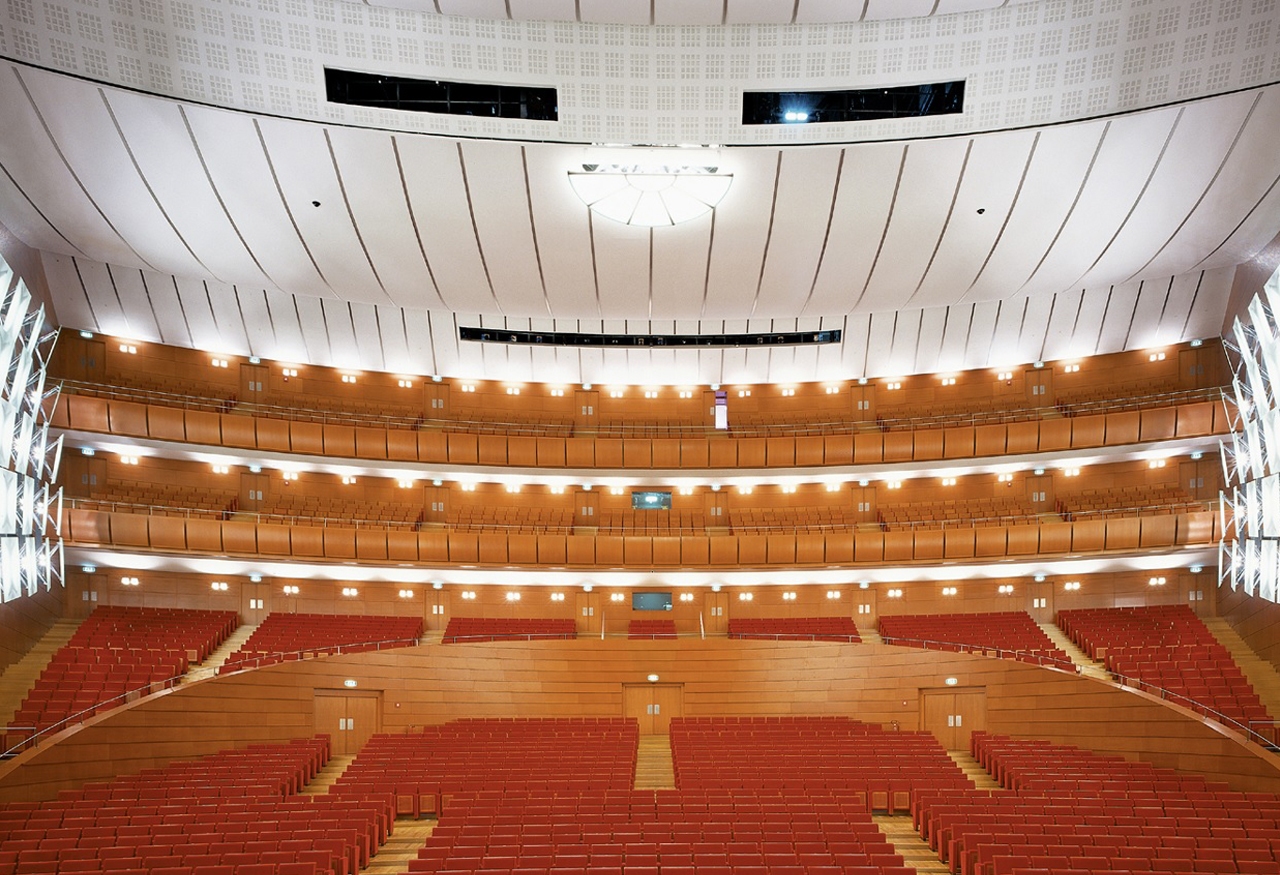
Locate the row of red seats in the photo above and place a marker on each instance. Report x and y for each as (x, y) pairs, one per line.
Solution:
(644, 630)
(795, 628)
(1067, 809)
(193, 828)
(424, 770)
(283, 637)
(117, 651)
(1009, 634)
(472, 629)
(884, 768)
(1168, 651)
(792, 834)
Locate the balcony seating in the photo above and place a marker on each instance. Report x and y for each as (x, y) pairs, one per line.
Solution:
(810, 754)
(651, 630)
(973, 511)
(1008, 634)
(1168, 651)
(475, 629)
(1067, 810)
(795, 628)
(488, 517)
(790, 519)
(232, 813)
(1150, 498)
(119, 651)
(562, 756)
(284, 637)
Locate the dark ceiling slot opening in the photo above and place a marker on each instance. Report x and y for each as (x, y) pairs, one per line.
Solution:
(378, 91)
(863, 104)
(572, 338)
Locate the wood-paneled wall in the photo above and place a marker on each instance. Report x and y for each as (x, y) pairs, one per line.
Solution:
(435, 683)
(25, 620)
(1255, 619)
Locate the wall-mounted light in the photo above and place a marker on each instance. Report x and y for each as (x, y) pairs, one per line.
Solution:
(218, 363)
(289, 372)
(948, 481)
(651, 393)
(467, 387)
(128, 348)
(128, 460)
(948, 381)
(291, 590)
(949, 590)
(349, 378)
(129, 581)
(746, 596)
(617, 597)
(686, 393)
(557, 596)
(1071, 585)
(788, 597)
(1071, 368)
(1156, 357)
(513, 390)
(1156, 581)
(893, 385)
(513, 596)
(894, 594)
(833, 594)
(218, 586)
(405, 593)
(468, 595)
(350, 591)
(404, 383)
(348, 480)
(221, 469)
(1005, 589)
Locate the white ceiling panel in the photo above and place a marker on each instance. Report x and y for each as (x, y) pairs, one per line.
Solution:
(564, 235)
(615, 11)
(492, 9)
(762, 11)
(395, 343)
(906, 341)
(680, 268)
(880, 338)
(1177, 310)
(1152, 295)
(929, 182)
(1117, 324)
(688, 11)
(1088, 334)
(303, 168)
(1035, 321)
(257, 321)
(315, 337)
(979, 351)
(1190, 164)
(286, 328)
(170, 166)
(741, 229)
(1207, 311)
(193, 294)
(801, 216)
(1059, 340)
(128, 287)
(622, 262)
(339, 328)
(1048, 186)
(542, 10)
(22, 217)
(1129, 153)
(933, 323)
(72, 303)
(500, 208)
(228, 318)
(854, 346)
(1008, 328)
(955, 334)
(868, 182)
(953, 7)
(370, 176)
(370, 343)
(880, 10)
(418, 356)
(990, 184)
(230, 149)
(433, 175)
(444, 343)
(94, 279)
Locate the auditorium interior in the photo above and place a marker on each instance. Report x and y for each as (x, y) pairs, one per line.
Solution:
(639, 437)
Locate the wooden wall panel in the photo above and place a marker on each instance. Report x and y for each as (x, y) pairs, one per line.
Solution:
(1022, 437)
(462, 448)
(989, 440)
(1158, 531)
(637, 550)
(898, 446)
(1088, 431)
(491, 449)
(308, 541)
(129, 530)
(372, 443)
(204, 535)
(238, 537)
(340, 543)
(927, 445)
(724, 550)
(339, 440)
(522, 549)
(166, 423)
(928, 545)
(751, 452)
(274, 540)
(550, 452)
(402, 445)
(433, 546)
(463, 547)
(780, 452)
(522, 451)
(1022, 540)
(433, 446)
(87, 526)
(551, 550)
(752, 550)
(1196, 528)
(959, 543)
(1055, 434)
(435, 683)
(695, 550)
(1055, 538)
(371, 544)
(273, 434)
(1122, 534)
(666, 550)
(307, 438)
(580, 550)
(899, 546)
(239, 431)
(1122, 428)
(1158, 425)
(637, 453)
(609, 550)
(990, 541)
(780, 549)
(837, 449)
(167, 533)
(840, 547)
(1255, 619)
(721, 453)
(695, 452)
(868, 448)
(127, 417)
(958, 442)
(809, 451)
(1194, 419)
(203, 427)
(608, 452)
(24, 621)
(89, 414)
(666, 453)
(1088, 536)
(810, 548)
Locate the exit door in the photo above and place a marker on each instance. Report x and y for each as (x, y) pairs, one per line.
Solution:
(715, 619)
(653, 705)
(253, 491)
(586, 407)
(588, 616)
(348, 718)
(953, 715)
(253, 382)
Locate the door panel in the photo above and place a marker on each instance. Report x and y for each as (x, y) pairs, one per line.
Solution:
(587, 616)
(637, 702)
(363, 716)
(668, 702)
(330, 717)
(971, 715)
(586, 410)
(937, 716)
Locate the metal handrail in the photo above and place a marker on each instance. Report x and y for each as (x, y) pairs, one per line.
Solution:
(108, 505)
(1121, 679)
(612, 429)
(796, 636)
(171, 682)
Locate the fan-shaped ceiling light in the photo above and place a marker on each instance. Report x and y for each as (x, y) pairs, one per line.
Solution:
(649, 196)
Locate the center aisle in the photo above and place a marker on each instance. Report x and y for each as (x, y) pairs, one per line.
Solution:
(654, 769)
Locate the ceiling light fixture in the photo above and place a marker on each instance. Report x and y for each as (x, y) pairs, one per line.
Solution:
(649, 196)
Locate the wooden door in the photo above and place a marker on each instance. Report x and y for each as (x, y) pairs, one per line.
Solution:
(587, 616)
(253, 491)
(863, 399)
(436, 504)
(91, 362)
(436, 396)
(971, 714)
(653, 705)
(586, 407)
(253, 383)
(586, 508)
(715, 617)
(348, 718)
(715, 510)
(1038, 383)
(953, 715)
